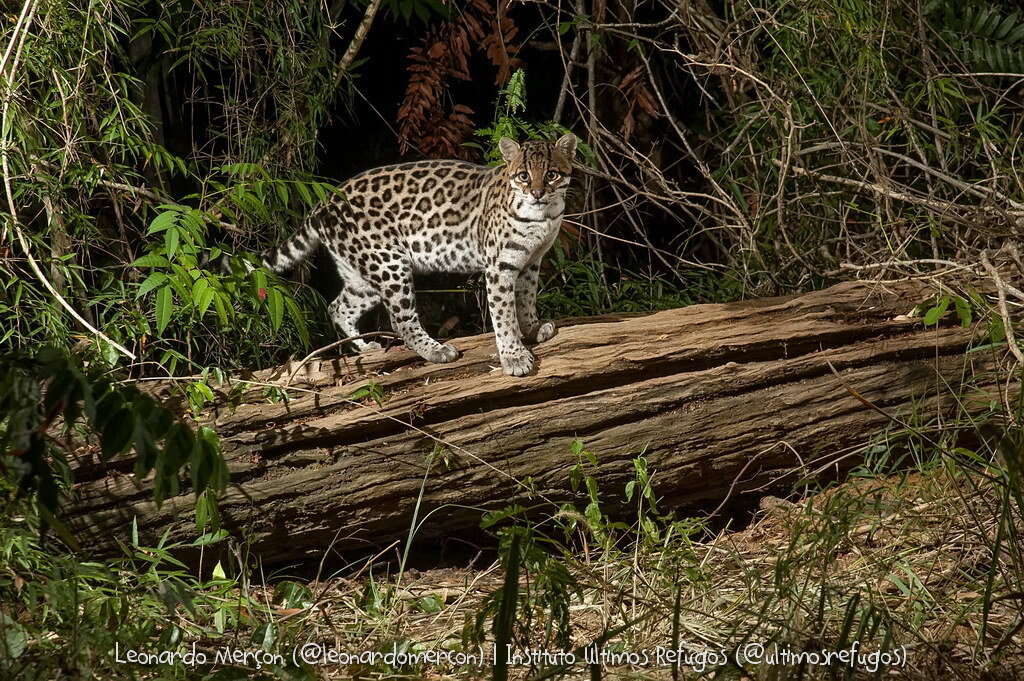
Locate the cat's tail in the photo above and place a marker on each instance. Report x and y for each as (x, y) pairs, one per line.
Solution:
(285, 255)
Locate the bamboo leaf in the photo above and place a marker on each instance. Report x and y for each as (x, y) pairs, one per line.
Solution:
(275, 304)
(299, 319)
(117, 433)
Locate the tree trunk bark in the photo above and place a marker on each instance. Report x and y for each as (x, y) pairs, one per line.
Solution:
(724, 401)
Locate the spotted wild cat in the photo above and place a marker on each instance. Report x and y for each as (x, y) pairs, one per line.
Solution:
(444, 216)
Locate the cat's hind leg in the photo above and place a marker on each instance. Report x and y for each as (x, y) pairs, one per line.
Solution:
(357, 297)
(393, 275)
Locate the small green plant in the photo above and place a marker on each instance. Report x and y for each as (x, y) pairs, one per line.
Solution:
(509, 122)
(66, 616)
(587, 286)
(372, 390)
(184, 295)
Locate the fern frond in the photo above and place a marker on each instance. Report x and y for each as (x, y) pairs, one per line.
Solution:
(985, 37)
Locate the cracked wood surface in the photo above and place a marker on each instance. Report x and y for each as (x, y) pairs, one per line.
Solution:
(724, 400)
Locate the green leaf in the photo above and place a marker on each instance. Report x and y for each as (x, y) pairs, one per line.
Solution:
(293, 595)
(211, 538)
(430, 604)
(275, 303)
(220, 301)
(492, 518)
(207, 514)
(164, 308)
(14, 639)
(304, 194)
(209, 443)
(963, 311)
(193, 225)
(300, 321)
(282, 192)
(265, 636)
(203, 300)
(151, 260)
(106, 406)
(155, 280)
(117, 433)
(171, 241)
(933, 315)
(165, 220)
(996, 329)
(259, 280)
(505, 618)
(58, 526)
(199, 287)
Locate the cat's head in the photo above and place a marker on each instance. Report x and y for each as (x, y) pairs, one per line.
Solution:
(538, 170)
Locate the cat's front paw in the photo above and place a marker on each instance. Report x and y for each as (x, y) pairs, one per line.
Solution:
(517, 362)
(540, 333)
(546, 331)
(369, 346)
(442, 354)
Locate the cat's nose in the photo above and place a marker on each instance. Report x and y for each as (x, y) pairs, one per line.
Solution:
(537, 193)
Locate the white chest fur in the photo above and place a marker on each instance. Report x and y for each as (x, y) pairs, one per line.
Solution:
(529, 211)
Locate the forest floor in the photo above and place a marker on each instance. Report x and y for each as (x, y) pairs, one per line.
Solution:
(900, 563)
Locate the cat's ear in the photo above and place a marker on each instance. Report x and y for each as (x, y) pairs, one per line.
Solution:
(508, 148)
(567, 145)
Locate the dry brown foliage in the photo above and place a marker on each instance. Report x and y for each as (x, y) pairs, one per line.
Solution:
(428, 120)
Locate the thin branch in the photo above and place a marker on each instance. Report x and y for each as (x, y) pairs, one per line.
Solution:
(149, 194)
(357, 41)
(1004, 310)
(574, 53)
(331, 346)
(943, 208)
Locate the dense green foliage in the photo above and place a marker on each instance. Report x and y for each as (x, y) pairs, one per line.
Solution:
(40, 393)
(111, 198)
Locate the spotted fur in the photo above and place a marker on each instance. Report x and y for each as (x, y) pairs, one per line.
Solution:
(444, 216)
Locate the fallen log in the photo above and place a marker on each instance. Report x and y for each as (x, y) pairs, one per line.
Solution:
(723, 400)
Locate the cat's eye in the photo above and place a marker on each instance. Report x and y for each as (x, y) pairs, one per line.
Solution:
(553, 175)
(523, 177)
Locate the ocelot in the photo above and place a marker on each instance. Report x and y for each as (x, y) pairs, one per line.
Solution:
(387, 224)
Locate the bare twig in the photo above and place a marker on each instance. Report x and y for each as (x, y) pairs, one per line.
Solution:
(331, 346)
(1004, 310)
(357, 41)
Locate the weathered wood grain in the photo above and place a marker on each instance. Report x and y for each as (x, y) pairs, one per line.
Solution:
(721, 399)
